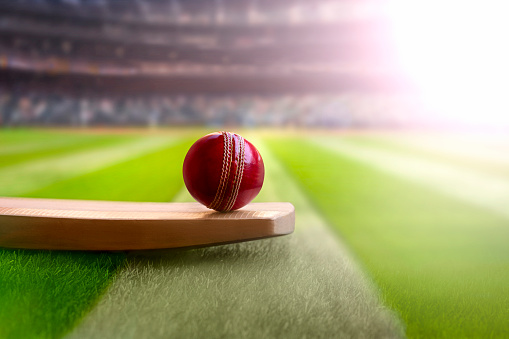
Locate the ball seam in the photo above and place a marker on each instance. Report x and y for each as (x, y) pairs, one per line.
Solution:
(239, 173)
(225, 171)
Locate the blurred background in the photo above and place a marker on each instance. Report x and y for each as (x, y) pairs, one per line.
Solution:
(174, 63)
(385, 122)
(330, 63)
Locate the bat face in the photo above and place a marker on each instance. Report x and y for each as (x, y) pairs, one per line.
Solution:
(106, 225)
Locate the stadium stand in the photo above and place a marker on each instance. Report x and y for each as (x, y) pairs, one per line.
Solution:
(171, 62)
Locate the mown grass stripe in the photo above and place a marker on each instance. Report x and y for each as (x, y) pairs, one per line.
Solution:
(23, 178)
(45, 141)
(487, 191)
(476, 153)
(54, 145)
(153, 176)
(39, 290)
(33, 145)
(43, 293)
(442, 264)
(302, 285)
(19, 136)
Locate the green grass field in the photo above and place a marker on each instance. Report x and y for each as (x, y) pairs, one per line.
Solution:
(426, 233)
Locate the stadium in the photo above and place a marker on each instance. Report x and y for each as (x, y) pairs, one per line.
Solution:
(388, 135)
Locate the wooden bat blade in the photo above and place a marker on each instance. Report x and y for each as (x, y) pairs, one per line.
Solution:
(55, 224)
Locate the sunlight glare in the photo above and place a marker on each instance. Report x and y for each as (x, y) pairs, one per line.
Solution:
(457, 53)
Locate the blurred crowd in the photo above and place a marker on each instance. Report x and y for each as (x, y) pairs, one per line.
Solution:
(346, 110)
(210, 11)
(69, 48)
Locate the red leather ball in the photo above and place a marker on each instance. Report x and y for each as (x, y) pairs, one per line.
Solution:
(223, 171)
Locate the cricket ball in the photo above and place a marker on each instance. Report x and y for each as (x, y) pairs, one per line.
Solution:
(223, 171)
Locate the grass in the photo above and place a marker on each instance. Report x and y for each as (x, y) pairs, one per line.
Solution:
(44, 294)
(25, 177)
(423, 149)
(442, 264)
(154, 176)
(38, 145)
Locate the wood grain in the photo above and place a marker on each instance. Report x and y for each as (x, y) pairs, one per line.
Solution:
(55, 224)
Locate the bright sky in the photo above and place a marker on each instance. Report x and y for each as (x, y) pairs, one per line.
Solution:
(458, 54)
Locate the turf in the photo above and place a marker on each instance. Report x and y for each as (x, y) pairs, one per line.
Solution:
(44, 294)
(155, 176)
(475, 154)
(442, 264)
(18, 137)
(477, 188)
(23, 178)
(50, 145)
